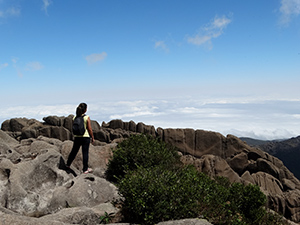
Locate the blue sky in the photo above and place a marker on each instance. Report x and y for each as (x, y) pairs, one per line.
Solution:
(227, 66)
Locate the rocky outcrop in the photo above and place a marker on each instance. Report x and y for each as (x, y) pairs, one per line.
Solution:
(228, 156)
(286, 150)
(53, 127)
(61, 127)
(34, 181)
(217, 155)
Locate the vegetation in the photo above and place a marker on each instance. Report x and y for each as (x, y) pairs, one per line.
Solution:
(140, 151)
(157, 187)
(106, 218)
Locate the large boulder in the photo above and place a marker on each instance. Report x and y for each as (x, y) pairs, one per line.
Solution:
(81, 215)
(102, 135)
(7, 145)
(130, 126)
(7, 139)
(145, 129)
(60, 133)
(29, 185)
(239, 163)
(84, 190)
(17, 124)
(38, 129)
(267, 183)
(183, 139)
(195, 142)
(8, 219)
(54, 127)
(31, 131)
(54, 120)
(75, 215)
(213, 166)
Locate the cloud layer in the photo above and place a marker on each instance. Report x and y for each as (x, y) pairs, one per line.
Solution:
(257, 119)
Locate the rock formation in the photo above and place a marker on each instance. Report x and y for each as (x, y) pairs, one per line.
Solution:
(286, 150)
(34, 182)
(36, 186)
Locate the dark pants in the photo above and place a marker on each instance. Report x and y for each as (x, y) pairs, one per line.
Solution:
(83, 142)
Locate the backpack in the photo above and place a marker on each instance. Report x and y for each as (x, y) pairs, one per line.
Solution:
(78, 126)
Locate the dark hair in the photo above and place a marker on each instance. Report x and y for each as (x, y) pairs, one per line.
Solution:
(81, 109)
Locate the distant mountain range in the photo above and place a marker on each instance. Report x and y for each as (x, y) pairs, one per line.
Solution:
(288, 151)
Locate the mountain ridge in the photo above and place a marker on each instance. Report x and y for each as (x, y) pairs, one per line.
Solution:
(287, 150)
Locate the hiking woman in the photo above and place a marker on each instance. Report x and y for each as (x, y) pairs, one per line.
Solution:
(82, 140)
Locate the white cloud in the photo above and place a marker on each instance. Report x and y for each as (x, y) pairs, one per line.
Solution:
(38, 111)
(13, 11)
(2, 66)
(161, 45)
(136, 109)
(93, 58)
(289, 9)
(46, 4)
(262, 119)
(31, 66)
(14, 60)
(10, 12)
(264, 134)
(254, 118)
(34, 66)
(212, 30)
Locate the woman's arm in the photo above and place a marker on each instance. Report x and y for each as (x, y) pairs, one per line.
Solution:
(89, 128)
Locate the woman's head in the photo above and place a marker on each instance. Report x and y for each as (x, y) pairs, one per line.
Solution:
(81, 109)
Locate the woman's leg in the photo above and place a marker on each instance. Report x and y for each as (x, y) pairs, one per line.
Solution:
(74, 151)
(85, 153)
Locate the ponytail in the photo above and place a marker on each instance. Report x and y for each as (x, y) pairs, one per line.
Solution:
(81, 109)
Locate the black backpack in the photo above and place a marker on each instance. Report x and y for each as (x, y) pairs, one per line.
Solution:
(78, 125)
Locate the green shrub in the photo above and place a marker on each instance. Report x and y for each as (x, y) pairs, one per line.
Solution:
(156, 187)
(247, 200)
(156, 194)
(272, 218)
(140, 150)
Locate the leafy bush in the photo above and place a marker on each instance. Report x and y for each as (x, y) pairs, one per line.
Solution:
(140, 150)
(247, 200)
(155, 194)
(156, 187)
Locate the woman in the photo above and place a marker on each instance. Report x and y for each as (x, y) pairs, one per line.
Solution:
(82, 140)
